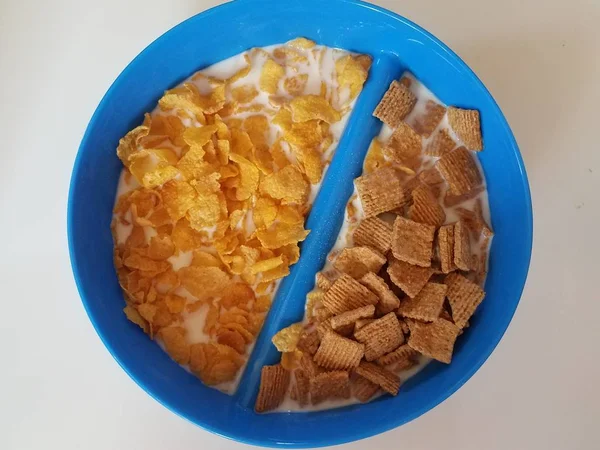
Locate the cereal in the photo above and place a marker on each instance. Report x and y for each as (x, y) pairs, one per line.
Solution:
(349, 317)
(270, 76)
(302, 386)
(402, 353)
(425, 208)
(311, 368)
(176, 343)
(380, 336)
(327, 385)
(309, 342)
(426, 123)
(286, 339)
(465, 123)
(395, 105)
(426, 305)
(380, 191)
(440, 144)
(445, 247)
(404, 147)
(361, 323)
(363, 389)
(311, 107)
(431, 176)
(435, 339)
(274, 382)
(351, 72)
(385, 379)
(323, 282)
(357, 261)
(388, 301)
(375, 233)
(462, 246)
(453, 200)
(346, 293)
(407, 277)
(412, 242)
(464, 297)
(214, 363)
(460, 171)
(337, 352)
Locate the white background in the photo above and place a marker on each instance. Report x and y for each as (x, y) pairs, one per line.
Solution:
(61, 389)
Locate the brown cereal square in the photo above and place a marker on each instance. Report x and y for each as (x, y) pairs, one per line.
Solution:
(407, 277)
(322, 314)
(309, 366)
(464, 297)
(460, 170)
(375, 233)
(380, 191)
(425, 207)
(327, 385)
(302, 386)
(451, 200)
(361, 323)
(388, 381)
(426, 123)
(323, 282)
(274, 381)
(395, 105)
(445, 246)
(346, 293)
(440, 144)
(362, 389)
(435, 339)
(380, 336)
(388, 301)
(309, 342)
(466, 125)
(323, 328)
(404, 327)
(404, 147)
(338, 353)
(462, 246)
(404, 352)
(412, 242)
(349, 317)
(427, 305)
(357, 261)
(431, 176)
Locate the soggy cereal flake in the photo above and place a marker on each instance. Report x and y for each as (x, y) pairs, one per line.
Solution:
(288, 185)
(375, 158)
(329, 385)
(270, 76)
(286, 339)
(460, 171)
(388, 381)
(175, 303)
(301, 43)
(203, 282)
(312, 164)
(134, 316)
(407, 277)
(160, 248)
(380, 191)
(264, 212)
(185, 238)
(175, 343)
(425, 207)
(249, 176)
(244, 94)
(281, 234)
(159, 176)
(337, 352)
(274, 382)
(214, 363)
(311, 107)
(465, 123)
(380, 336)
(412, 242)
(357, 261)
(266, 264)
(313, 299)
(295, 85)
(178, 197)
(464, 297)
(388, 301)
(346, 294)
(404, 147)
(352, 72)
(395, 105)
(305, 135)
(232, 339)
(440, 144)
(435, 339)
(427, 305)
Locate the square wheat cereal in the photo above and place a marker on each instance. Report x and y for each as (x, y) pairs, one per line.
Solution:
(395, 105)
(466, 125)
(440, 144)
(274, 381)
(464, 297)
(309, 342)
(349, 317)
(407, 277)
(309, 366)
(338, 353)
(357, 261)
(460, 170)
(346, 293)
(327, 385)
(425, 207)
(451, 200)
(363, 389)
(375, 233)
(380, 191)
(302, 386)
(322, 314)
(435, 339)
(388, 301)
(404, 147)
(388, 381)
(426, 123)
(427, 305)
(445, 247)
(323, 282)
(361, 323)
(380, 336)
(462, 246)
(404, 352)
(412, 242)
(431, 176)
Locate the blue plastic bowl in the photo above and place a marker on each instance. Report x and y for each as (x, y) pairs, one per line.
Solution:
(396, 44)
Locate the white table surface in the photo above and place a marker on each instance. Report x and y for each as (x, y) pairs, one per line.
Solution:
(61, 389)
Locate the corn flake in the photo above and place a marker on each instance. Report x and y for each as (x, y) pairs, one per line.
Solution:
(286, 339)
(311, 107)
(270, 76)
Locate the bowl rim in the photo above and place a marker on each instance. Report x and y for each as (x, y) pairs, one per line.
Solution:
(388, 425)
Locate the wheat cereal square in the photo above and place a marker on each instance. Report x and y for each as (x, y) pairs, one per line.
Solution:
(309, 342)
(357, 261)
(361, 323)
(388, 301)
(404, 147)
(274, 381)
(440, 144)
(412, 242)
(431, 176)
(445, 247)
(322, 281)
(374, 232)
(362, 389)
(309, 366)
(407, 277)
(435, 339)
(302, 386)
(322, 314)
(464, 297)
(349, 317)
(404, 352)
(380, 191)
(425, 207)
(395, 105)
(338, 353)
(462, 246)
(428, 121)
(346, 293)
(388, 381)
(466, 124)
(460, 170)
(427, 305)
(328, 385)
(380, 336)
